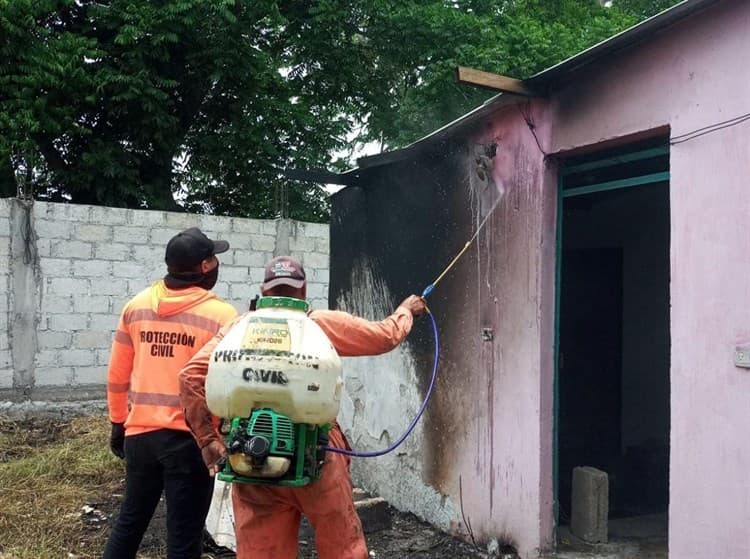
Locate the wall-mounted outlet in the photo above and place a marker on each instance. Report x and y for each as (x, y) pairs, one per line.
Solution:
(742, 357)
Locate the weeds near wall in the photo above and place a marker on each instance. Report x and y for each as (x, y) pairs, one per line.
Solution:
(47, 472)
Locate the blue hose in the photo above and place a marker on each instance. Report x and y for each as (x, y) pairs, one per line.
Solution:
(416, 418)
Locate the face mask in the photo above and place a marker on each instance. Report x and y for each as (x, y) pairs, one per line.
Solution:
(209, 278)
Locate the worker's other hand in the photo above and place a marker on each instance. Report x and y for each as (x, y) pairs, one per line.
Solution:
(117, 440)
(212, 455)
(415, 304)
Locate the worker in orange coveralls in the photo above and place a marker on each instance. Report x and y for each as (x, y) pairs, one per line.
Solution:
(267, 518)
(159, 330)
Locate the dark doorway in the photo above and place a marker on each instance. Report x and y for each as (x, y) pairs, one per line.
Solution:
(613, 329)
(590, 361)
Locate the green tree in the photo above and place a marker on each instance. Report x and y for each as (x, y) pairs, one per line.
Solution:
(199, 104)
(643, 8)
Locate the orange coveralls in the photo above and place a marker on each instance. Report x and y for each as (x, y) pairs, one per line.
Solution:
(267, 518)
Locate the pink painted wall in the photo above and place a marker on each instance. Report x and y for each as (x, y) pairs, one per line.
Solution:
(504, 457)
(688, 77)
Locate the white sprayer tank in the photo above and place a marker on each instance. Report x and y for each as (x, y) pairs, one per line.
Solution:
(278, 358)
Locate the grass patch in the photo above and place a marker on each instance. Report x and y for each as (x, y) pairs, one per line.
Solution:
(48, 471)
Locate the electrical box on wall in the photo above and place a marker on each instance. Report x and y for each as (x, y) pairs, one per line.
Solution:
(742, 357)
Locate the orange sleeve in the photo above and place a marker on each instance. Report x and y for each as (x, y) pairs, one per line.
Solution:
(193, 391)
(119, 371)
(353, 336)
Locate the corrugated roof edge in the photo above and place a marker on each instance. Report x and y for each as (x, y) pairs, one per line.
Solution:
(544, 79)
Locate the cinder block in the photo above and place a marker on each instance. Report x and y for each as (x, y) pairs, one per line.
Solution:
(263, 242)
(301, 244)
(110, 216)
(323, 245)
(237, 241)
(53, 340)
(49, 229)
(6, 359)
(243, 292)
(129, 235)
(317, 230)
(77, 357)
(92, 268)
(53, 376)
(129, 270)
(67, 322)
(180, 222)
(60, 267)
(248, 226)
(268, 227)
(95, 233)
(69, 212)
(58, 304)
(91, 304)
(147, 218)
(214, 224)
(589, 504)
(71, 249)
(105, 322)
(159, 237)
(321, 275)
(234, 274)
(91, 339)
(318, 303)
(6, 375)
(112, 251)
(102, 357)
(110, 286)
(374, 514)
(315, 260)
(90, 375)
(147, 254)
(47, 358)
(252, 258)
(44, 248)
(317, 291)
(69, 286)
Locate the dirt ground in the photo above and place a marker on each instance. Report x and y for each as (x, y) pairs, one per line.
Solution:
(407, 537)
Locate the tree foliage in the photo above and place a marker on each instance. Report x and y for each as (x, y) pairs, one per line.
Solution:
(198, 104)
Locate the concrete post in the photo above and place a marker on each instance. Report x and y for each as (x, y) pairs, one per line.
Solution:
(590, 504)
(25, 291)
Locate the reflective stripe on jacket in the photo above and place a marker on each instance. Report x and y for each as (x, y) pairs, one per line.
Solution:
(159, 330)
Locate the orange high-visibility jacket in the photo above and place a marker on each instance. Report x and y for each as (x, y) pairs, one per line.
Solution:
(160, 329)
(350, 336)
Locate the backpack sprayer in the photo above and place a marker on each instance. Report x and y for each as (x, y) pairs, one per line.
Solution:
(276, 381)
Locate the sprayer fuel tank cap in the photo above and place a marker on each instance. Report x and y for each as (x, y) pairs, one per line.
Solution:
(257, 447)
(283, 303)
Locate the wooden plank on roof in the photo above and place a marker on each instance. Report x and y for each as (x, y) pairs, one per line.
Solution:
(496, 82)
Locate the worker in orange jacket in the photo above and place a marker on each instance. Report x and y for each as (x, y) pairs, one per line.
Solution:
(159, 331)
(267, 518)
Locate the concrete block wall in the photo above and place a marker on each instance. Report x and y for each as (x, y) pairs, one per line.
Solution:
(63, 290)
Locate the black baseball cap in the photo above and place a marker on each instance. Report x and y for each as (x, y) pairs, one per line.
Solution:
(188, 249)
(283, 270)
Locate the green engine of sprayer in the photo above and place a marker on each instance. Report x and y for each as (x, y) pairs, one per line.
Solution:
(260, 446)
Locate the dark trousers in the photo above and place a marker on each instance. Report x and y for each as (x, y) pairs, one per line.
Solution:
(165, 460)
